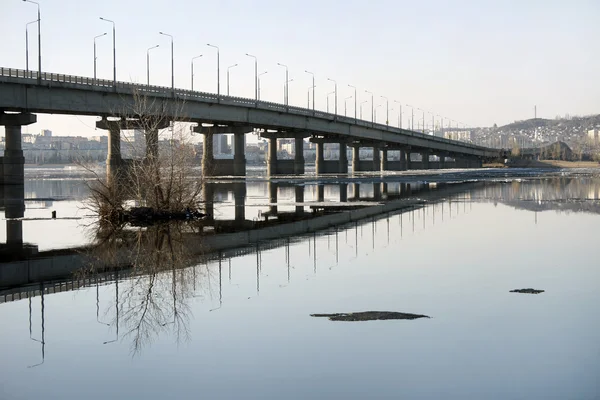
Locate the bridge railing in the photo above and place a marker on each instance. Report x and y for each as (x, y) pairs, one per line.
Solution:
(223, 99)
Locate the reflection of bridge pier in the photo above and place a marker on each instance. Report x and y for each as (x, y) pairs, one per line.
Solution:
(299, 198)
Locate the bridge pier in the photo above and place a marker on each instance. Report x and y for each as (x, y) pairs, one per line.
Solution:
(394, 165)
(359, 165)
(212, 166)
(407, 160)
(425, 159)
(323, 166)
(114, 161)
(442, 162)
(285, 167)
(13, 162)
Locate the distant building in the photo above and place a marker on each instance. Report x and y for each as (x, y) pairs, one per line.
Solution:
(465, 136)
(46, 132)
(593, 134)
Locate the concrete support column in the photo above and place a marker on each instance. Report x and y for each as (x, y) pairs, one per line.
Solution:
(376, 159)
(343, 168)
(408, 163)
(239, 155)
(151, 144)
(425, 159)
(320, 158)
(442, 161)
(402, 160)
(272, 156)
(299, 155)
(383, 165)
(208, 157)
(355, 159)
(13, 160)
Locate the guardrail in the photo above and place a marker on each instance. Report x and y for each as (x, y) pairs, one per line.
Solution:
(213, 98)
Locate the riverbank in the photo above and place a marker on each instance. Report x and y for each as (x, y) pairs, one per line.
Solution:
(552, 164)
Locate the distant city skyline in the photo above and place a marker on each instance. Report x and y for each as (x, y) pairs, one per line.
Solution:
(472, 63)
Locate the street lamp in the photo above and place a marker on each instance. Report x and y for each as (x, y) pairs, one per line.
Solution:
(308, 96)
(412, 117)
(147, 64)
(387, 117)
(228, 68)
(355, 99)
(258, 84)
(192, 65)
(27, 44)
(172, 61)
(39, 19)
(285, 88)
(313, 88)
(285, 91)
(114, 50)
(399, 114)
(95, 37)
(335, 90)
(361, 104)
(375, 111)
(329, 94)
(218, 70)
(256, 89)
(345, 102)
(372, 109)
(423, 127)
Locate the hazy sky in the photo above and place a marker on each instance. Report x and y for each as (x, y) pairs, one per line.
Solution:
(477, 62)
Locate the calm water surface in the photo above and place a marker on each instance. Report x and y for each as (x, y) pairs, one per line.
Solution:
(239, 325)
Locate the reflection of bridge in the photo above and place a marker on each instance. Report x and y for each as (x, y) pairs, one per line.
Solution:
(26, 92)
(55, 268)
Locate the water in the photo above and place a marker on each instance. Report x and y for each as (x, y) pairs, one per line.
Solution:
(236, 324)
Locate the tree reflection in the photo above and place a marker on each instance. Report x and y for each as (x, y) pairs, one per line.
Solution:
(156, 278)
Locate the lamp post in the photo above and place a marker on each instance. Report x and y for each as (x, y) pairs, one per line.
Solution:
(39, 19)
(147, 64)
(218, 70)
(345, 107)
(285, 91)
(387, 106)
(355, 99)
(372, 107)
(308, 96)
(329, 94)
(412, 117)
(258, 84)
(313, 88)
(399, 113)
(228, 68)
(361, 104)
(256, 89)
(285, 88)
(114, 50)
(95, 37)
(335, 91)
(192, 68)
(423, 127)
(375, 112)
(172, 61)
(27, 44)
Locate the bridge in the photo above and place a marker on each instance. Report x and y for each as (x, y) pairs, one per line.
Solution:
(28, 92)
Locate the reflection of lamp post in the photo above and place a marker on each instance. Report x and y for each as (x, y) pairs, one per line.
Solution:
(147, 63)
(192, 68)
(43, 341)
(228, 68)
(258, 84)
(345, 103)
(116, 308)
